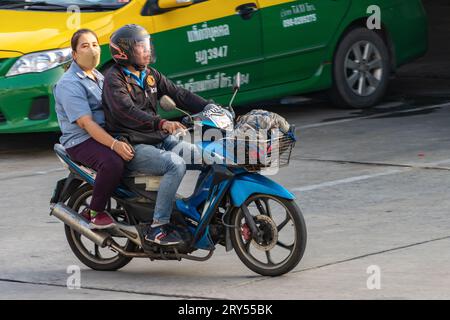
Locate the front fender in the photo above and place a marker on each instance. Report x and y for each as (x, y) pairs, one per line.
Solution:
(245, 185)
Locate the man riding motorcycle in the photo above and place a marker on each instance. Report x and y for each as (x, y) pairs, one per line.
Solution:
(130, 94)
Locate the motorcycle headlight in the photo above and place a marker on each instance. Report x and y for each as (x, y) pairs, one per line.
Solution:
(222, 118)
(40, 61)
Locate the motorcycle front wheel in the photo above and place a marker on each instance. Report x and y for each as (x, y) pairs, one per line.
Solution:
(283, 235)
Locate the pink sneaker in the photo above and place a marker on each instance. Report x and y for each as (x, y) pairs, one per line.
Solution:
(102, 221)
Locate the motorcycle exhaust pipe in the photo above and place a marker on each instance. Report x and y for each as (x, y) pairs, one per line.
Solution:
(79, 224)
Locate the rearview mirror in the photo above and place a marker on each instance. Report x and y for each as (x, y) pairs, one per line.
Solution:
(171, 4)
(167, 104)
(237, 81)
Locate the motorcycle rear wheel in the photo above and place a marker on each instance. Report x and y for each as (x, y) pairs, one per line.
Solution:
(80, 245)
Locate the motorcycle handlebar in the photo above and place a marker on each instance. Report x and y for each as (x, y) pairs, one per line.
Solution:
(187, 121)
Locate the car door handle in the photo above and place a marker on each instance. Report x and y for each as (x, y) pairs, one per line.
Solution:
(246, 10)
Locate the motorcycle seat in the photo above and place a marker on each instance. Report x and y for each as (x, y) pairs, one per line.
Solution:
(151, 182)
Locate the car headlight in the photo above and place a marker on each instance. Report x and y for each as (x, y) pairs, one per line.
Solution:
(40, 61)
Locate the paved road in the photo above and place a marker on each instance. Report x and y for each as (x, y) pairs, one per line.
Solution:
(373, 187)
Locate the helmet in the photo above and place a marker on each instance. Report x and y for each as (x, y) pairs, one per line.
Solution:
(125, 42)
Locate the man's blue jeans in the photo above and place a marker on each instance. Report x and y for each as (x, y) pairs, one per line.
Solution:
(159, 160)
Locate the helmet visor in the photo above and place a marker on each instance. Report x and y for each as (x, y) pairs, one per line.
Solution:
(144, 47)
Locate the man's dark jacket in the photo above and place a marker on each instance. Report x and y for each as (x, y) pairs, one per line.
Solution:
(131, 111)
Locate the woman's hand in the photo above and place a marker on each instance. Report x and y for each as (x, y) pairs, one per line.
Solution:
(100, 135)
(123, 150)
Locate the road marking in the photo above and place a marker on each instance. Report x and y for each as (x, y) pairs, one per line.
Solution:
(49, 171)
(32, 174)
(430, 165)
(405, 168)
(322, 124)
(347, 180)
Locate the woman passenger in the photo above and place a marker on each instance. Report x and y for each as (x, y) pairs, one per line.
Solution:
(78, 97)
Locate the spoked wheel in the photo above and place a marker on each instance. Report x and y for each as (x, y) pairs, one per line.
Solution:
(93, 256)
(282, 240)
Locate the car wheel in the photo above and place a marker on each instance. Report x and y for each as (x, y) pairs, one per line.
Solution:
(361, 70)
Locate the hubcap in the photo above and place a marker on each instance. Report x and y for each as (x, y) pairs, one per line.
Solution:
(363, 68)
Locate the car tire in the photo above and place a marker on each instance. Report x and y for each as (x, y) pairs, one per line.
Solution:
(361, 70)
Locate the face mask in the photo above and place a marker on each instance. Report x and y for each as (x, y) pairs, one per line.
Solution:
(89, 59)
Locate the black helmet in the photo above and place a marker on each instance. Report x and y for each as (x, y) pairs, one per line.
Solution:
(123, 42)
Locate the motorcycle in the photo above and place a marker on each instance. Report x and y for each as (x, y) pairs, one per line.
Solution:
(232, 205)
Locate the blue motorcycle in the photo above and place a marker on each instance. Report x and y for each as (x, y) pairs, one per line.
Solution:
(232, 205)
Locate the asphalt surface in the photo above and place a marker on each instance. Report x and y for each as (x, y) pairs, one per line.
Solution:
(373, 186)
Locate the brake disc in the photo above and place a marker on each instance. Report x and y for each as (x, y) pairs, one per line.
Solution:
(267, 225)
